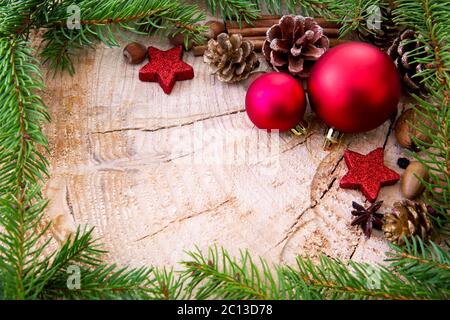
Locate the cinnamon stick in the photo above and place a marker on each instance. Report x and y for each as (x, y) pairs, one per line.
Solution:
(254, 24)
(271, 20)
(333, 41)
(258, 43)
(336, 42)
(249, 32)
(258, 31)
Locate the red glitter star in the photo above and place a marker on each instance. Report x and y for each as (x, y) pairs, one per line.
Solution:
(367, 173)
(166, 67)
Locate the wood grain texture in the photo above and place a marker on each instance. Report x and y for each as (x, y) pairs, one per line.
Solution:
(158, 174)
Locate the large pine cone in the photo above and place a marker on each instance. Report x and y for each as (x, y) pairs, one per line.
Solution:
(385, 35)
(294, 44)
(407, 219)
(231, 58)
(401, 53)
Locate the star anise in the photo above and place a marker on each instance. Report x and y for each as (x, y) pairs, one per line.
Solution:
(367, 218)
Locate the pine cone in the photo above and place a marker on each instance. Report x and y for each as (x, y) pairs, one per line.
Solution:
(294, 44)
(407, 219)
(231, 58)
(383, 37)
(400, 52)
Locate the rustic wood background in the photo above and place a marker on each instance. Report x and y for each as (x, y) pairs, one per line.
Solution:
(137, 165)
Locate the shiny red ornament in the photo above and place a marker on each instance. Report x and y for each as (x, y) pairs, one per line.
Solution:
(354, 87)
(166, 67)
(367, 173)
(275, 101)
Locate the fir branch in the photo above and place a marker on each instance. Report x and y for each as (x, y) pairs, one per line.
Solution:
(102, 282)
(26, 272)
(21, 245)
(352, 14)
(98, 24)
(166, 285)
(423, 261)
(430, 19)
(219, 276)
(22, 167)
(21, 114)
(16, 16)
(239, 10)
(417, 271)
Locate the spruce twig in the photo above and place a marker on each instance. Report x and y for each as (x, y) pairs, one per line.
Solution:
(417, 271)
(430, 20)
(97, 24)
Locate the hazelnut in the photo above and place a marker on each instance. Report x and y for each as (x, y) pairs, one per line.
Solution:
(135, 53)
(405, 129)
(214, 29)
(411, 186)
(178, 40)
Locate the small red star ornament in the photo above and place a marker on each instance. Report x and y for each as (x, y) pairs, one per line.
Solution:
(367, 173)
(166, 67)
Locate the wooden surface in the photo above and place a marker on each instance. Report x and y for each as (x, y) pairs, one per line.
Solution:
(139, 166)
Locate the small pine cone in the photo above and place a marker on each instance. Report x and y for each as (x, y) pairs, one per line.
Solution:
(231, 58)
(407, 219)
(294, 44)
(401, 51)
(385, 35)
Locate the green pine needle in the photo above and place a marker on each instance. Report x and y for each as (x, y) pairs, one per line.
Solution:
(30, 270)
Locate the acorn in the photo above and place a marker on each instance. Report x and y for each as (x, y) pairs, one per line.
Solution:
(214, 29)
(405, 129)
(135, 53)
(411, 186)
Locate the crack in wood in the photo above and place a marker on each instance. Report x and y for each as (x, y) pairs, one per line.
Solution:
(388, 134)
(292, 227)
(69, 202)
(305, 139)
(143, 129)
(354, 249)
(295, 226)
(330, 185)
(184, 218)
(337, 164)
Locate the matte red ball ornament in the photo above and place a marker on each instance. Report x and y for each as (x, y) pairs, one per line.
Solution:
(275, 101)
(354, 87)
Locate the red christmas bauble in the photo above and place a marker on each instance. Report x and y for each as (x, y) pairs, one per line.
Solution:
(275, 101)
(354, 87)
